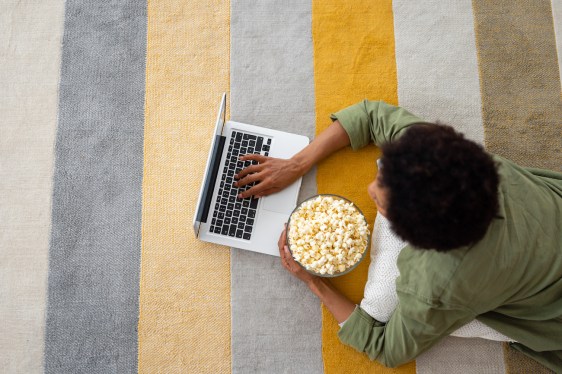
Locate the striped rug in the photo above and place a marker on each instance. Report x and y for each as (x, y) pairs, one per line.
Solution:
(107, 110)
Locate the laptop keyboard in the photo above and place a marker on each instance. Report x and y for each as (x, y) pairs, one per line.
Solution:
(232, 216)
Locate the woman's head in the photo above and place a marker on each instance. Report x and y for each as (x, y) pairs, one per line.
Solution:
(438, 189)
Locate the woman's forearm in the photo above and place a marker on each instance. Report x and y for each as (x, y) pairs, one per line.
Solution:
(329, 141)
(339, 305)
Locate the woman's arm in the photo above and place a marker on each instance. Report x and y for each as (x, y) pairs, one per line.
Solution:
(339, 305)
(274, 174)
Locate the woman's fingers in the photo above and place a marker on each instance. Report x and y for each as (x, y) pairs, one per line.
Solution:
(248, 179)
(249, 170)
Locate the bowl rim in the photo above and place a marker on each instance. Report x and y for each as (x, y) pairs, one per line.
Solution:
(348, 270)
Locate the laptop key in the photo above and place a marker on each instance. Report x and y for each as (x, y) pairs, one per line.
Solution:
(224, 230)
(232, 230)
(221, 216)
(254, 203)
(229, 213)
(242, 218)
(234, 220)
(244, 211)
(252, 213)
(246, 236)
(222, 208)
(250, 221)
(259, 143)
(217, 230)
(227, 221)
(246, 137)
(230, 206)
(237, 206)
(265, 148)
(238, 136)
(245, 203)
(241, 225)
(239, 233)
(248, 229)
(269, 141)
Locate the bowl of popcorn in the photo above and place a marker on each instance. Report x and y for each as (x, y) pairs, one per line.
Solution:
(327, 235)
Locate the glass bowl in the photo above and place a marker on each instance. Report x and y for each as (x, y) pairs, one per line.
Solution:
(337, 274)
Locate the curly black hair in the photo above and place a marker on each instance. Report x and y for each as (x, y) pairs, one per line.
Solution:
(442, 188)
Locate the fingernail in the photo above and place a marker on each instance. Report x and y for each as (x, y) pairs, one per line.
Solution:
(235, 184)
(240, 196)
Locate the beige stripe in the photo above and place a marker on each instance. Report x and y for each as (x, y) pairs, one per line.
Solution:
(184, 322)
(517, 363)
(520, 81)
(557, 18)
(30, 51)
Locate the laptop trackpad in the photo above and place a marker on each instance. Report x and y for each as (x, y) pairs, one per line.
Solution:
(283, 201)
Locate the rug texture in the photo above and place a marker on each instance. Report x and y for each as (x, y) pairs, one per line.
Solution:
(107, 113)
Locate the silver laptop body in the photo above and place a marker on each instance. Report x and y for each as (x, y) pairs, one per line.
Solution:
(221, 217)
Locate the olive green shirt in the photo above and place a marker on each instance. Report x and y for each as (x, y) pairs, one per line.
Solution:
(511, 280)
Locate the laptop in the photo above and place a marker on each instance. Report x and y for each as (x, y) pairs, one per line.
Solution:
(223, 218)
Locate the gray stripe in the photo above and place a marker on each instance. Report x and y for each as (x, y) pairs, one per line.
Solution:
(276, 321)
(520, 81)
(93, 287)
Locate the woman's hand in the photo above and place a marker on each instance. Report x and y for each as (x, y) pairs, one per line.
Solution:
(289, 262)
(272, 175)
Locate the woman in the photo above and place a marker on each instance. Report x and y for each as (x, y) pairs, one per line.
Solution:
(482, 237)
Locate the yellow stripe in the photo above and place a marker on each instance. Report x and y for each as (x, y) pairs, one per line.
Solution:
(184, 322)
(353, 59)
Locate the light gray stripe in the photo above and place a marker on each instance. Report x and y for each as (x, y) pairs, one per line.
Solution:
(92, 310)
(30, 44)
(437, 64)
(462, 355)
(438, 80)
(276, 321)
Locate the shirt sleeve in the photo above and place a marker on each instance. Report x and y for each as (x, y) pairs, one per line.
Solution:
(374, 121)
(414, 327)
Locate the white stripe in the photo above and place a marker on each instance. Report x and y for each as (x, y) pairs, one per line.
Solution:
(30, 48)
(437, 63)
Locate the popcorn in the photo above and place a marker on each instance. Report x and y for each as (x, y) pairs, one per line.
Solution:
(327, 235)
